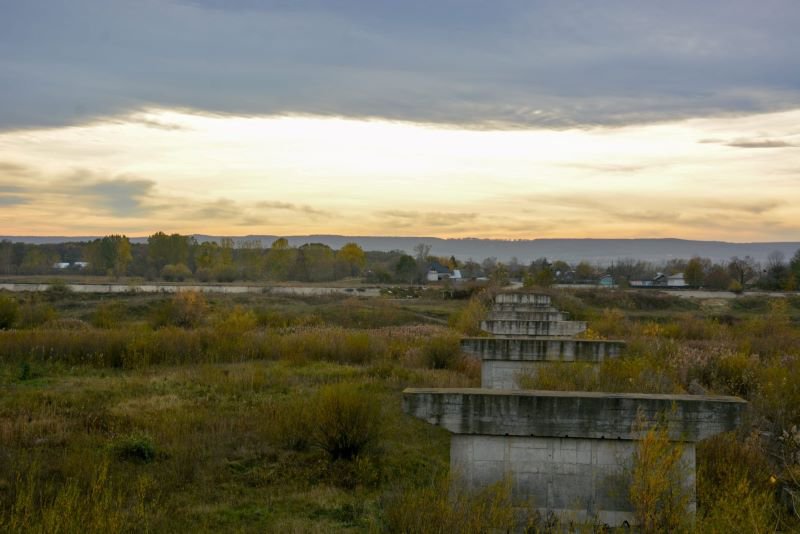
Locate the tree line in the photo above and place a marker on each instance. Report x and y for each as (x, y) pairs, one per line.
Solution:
(176, 257)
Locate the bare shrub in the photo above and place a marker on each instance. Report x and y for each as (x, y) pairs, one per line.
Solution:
(346, 421)
(186, 309)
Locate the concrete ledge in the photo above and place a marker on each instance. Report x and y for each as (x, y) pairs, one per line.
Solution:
(536, 315)
(529, 299)
(541, 349)
(573, 414)
(534, 328)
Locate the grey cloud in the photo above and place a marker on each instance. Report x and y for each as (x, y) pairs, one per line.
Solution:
(120, 196)
(506, 64)
(760, 143)
(427, 218)
(756, 208)
(13, 200)
(276, 205)
(749, 143)
(219, 209)
(9, 168)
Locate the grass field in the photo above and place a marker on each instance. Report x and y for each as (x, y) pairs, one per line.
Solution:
(154, 413)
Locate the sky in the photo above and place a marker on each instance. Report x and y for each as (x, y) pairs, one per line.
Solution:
(501, 119)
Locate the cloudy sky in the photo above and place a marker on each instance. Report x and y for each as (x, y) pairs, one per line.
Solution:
(511, 119)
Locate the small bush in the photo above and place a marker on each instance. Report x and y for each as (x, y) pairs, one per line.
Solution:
(734, 492)
(9, 310)
(346, 420)
(659, 491)
(175, 273)
(58, 289)
(108, 314)
(442, 352)
(137, 448)
(186, 309)
(35, 314)
(468, 320)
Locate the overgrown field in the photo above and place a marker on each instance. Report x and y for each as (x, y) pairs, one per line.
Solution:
(158, 413)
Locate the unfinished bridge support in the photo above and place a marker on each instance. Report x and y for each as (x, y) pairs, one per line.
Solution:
(566, 452)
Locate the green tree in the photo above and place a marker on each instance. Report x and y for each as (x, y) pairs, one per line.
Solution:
(585, 271)
(695, 272)
(406, 269)
(163, 249)
(109, 255)
(279, 260)
(794, 265)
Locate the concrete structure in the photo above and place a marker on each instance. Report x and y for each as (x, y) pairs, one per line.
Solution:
(533, 328)
(503, 359)
(566, 452)
(530, 332)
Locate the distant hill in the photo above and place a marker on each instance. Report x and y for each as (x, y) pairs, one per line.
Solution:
(602, 251)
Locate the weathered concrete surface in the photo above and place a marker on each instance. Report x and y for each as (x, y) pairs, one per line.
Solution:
(524, 299)
(572, 477)
(533, 328)
(573, 414)
(536, 315)
(541, 349)
(566, 452)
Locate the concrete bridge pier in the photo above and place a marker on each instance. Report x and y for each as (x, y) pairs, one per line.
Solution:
(566, 452)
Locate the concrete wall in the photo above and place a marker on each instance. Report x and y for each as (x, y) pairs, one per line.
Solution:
(504, 374)
(536, 315)
(574, 414)
(574, 478)
(536, 349)
(533, 328)
(525, 299)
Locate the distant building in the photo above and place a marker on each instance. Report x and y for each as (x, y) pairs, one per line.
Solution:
(438, 272)
(606, 281)
(676, 280)
(661, 280)
(67, 265)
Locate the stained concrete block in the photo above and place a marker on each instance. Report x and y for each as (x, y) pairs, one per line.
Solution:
(522, 299)
(545, 476)
(571, 413)
(517, 315)
(533, 328)
(541, 349)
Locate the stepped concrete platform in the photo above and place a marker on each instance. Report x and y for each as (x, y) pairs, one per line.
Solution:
(566, 452)
(534, 328)
(503, 359)
(524, 324)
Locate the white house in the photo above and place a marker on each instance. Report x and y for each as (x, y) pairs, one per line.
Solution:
(676, 280)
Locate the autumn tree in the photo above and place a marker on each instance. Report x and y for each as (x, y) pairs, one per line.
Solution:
(279, 260)
(352, 257)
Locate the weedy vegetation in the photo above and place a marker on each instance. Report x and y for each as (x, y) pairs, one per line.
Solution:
(173, 413)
